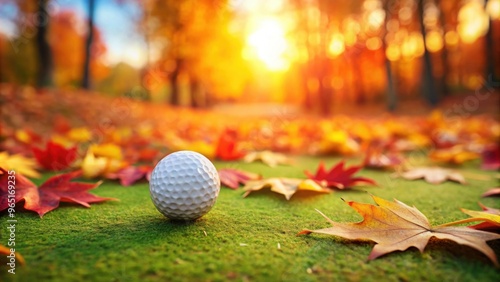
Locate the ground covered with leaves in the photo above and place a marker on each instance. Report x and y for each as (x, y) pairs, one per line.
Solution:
(252, 238)
(67, 150)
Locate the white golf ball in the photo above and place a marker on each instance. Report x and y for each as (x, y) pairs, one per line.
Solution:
(184, 185)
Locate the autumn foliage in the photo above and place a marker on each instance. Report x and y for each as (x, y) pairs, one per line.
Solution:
(121, 140)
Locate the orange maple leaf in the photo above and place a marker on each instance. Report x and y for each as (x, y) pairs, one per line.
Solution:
(395, 226)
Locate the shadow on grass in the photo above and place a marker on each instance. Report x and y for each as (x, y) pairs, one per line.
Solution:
(461, 252)
(302, 196)
(447, 250)
(140, 233)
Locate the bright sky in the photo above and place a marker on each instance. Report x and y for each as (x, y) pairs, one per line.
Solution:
(115, 20)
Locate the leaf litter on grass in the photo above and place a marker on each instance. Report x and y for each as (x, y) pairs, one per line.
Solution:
(115, 143)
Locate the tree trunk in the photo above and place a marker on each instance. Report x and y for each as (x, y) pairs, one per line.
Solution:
(444, 53)
(490, 59)
(174, 82)
(198, 95)
(358, 89)
(88, 45)
(45, 63)
(391, 90)
(429, 89)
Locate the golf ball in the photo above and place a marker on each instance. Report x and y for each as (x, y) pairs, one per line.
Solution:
(184, 185)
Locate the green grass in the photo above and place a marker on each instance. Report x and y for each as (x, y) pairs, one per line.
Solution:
(129, 240)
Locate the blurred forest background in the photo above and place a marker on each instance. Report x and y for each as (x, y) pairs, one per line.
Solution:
(308, 53)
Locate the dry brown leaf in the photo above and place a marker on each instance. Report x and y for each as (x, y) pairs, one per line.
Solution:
(395, 226)
(434, 175)
(492, 192)
(272, 159)
(285, 186)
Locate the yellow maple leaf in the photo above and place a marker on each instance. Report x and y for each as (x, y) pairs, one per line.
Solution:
(79, 134)
(272, 159)
(338, 141)
(286, 186)
(23, 136)
(108, 150)
(454, 155)
(19, 163)
(178, 144)
(93, 166)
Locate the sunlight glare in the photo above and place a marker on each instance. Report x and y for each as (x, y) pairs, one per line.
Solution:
(493, 8)
(473, 22)
(434, 41)
(269, 44)
(337, 46)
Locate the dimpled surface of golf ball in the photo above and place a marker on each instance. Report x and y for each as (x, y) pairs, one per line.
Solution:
(184, 185)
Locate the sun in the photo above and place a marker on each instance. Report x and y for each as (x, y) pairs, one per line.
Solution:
(269, 44)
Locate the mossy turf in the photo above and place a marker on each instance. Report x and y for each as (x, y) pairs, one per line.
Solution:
(129, 240)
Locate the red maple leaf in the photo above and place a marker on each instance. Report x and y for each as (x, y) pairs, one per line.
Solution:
(338, 176)
(130, 175)
(47, 197)
(232, 178)
(55, 157)
(491, 158)
(22, 189)
(227, 146)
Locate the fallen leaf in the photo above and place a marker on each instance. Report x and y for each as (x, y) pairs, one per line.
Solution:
(19, 163)
(270, 158)
(4, 251)
(492, 192)
(107, 150)
(286, 186)
(24, 188)
(130, 175)
(338, 176)
(93, 166)
(47, 197)
(378, 160)
(61, 124)
(227, 147)
(444, 139)
(27, 136)
(147, 154)
(79, 134)
(434, 175)
(489, 210)
(491, 158)
(232, 178)
(394, 226)
(338, 142)
(55, 157)
(490, 218)
(455, 155)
